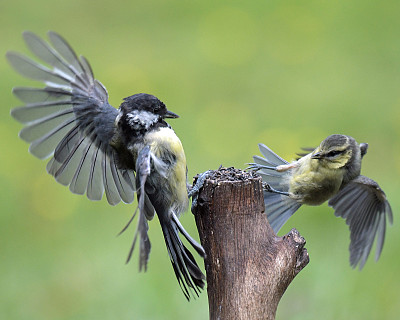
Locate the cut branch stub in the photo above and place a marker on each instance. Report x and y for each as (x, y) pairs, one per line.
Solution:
(248, 267)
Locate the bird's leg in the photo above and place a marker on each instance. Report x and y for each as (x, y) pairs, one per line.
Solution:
(268, 188)
(255, 167)
(281, 168)
(194, 190)
(285, 167)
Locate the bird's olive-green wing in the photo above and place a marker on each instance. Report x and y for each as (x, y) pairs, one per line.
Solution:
(364, 206)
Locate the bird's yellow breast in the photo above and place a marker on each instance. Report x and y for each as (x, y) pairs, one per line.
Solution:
(312, 184)
(165, 145)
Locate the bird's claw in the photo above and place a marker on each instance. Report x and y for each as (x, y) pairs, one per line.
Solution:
(267, 187)
(194, 191)
(253, 166)
(256, 167)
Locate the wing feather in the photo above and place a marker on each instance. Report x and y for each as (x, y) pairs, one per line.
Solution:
(95, 187)
(274, 178)
(271, 157)
(364, 206)
(44, 52)
(278, 208)
(80, 179)
(44, 146)
(109, 184)
(71, 119)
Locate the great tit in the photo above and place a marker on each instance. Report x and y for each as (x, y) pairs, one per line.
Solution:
(95, 148)
(330, 172)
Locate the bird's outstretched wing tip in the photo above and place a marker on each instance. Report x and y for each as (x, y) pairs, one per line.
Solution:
(365, 208)
(69, 117)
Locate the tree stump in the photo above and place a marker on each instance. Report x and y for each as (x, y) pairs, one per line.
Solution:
(248, 267)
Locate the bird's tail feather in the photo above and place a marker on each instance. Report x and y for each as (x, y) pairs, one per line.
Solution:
(186, 270)
(193, 242)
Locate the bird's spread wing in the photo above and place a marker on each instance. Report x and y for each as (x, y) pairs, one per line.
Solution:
(271, 159)
(71, 120)
(364, 206)
(278, 207)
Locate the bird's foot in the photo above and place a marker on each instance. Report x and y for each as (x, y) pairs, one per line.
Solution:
(268, 188)
(284, 167)
(255, 167)
(194, 190)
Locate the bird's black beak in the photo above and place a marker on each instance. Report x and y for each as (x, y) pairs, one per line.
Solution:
(170, 114)
(317, 156)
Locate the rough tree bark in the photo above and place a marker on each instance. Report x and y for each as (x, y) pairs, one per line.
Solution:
(248, 267)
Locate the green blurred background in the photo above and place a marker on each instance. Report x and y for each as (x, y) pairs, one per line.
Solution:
(285, 73)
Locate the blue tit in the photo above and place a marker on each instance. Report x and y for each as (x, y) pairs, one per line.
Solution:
(96, 149)
(330, 172)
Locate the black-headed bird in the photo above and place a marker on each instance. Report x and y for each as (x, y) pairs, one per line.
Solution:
(95, 148)
(330, 172)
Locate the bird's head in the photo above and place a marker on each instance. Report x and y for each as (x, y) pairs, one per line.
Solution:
(336, 151)
(140, 112)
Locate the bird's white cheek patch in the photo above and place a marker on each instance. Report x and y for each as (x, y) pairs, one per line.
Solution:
(141, 119)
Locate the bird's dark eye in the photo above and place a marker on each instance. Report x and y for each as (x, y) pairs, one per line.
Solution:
(333, 153)
(157, 108)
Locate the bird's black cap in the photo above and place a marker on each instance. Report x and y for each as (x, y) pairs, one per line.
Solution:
(146, 102)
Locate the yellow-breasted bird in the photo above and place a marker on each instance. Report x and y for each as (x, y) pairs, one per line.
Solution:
(95, 148)
(330, 172)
